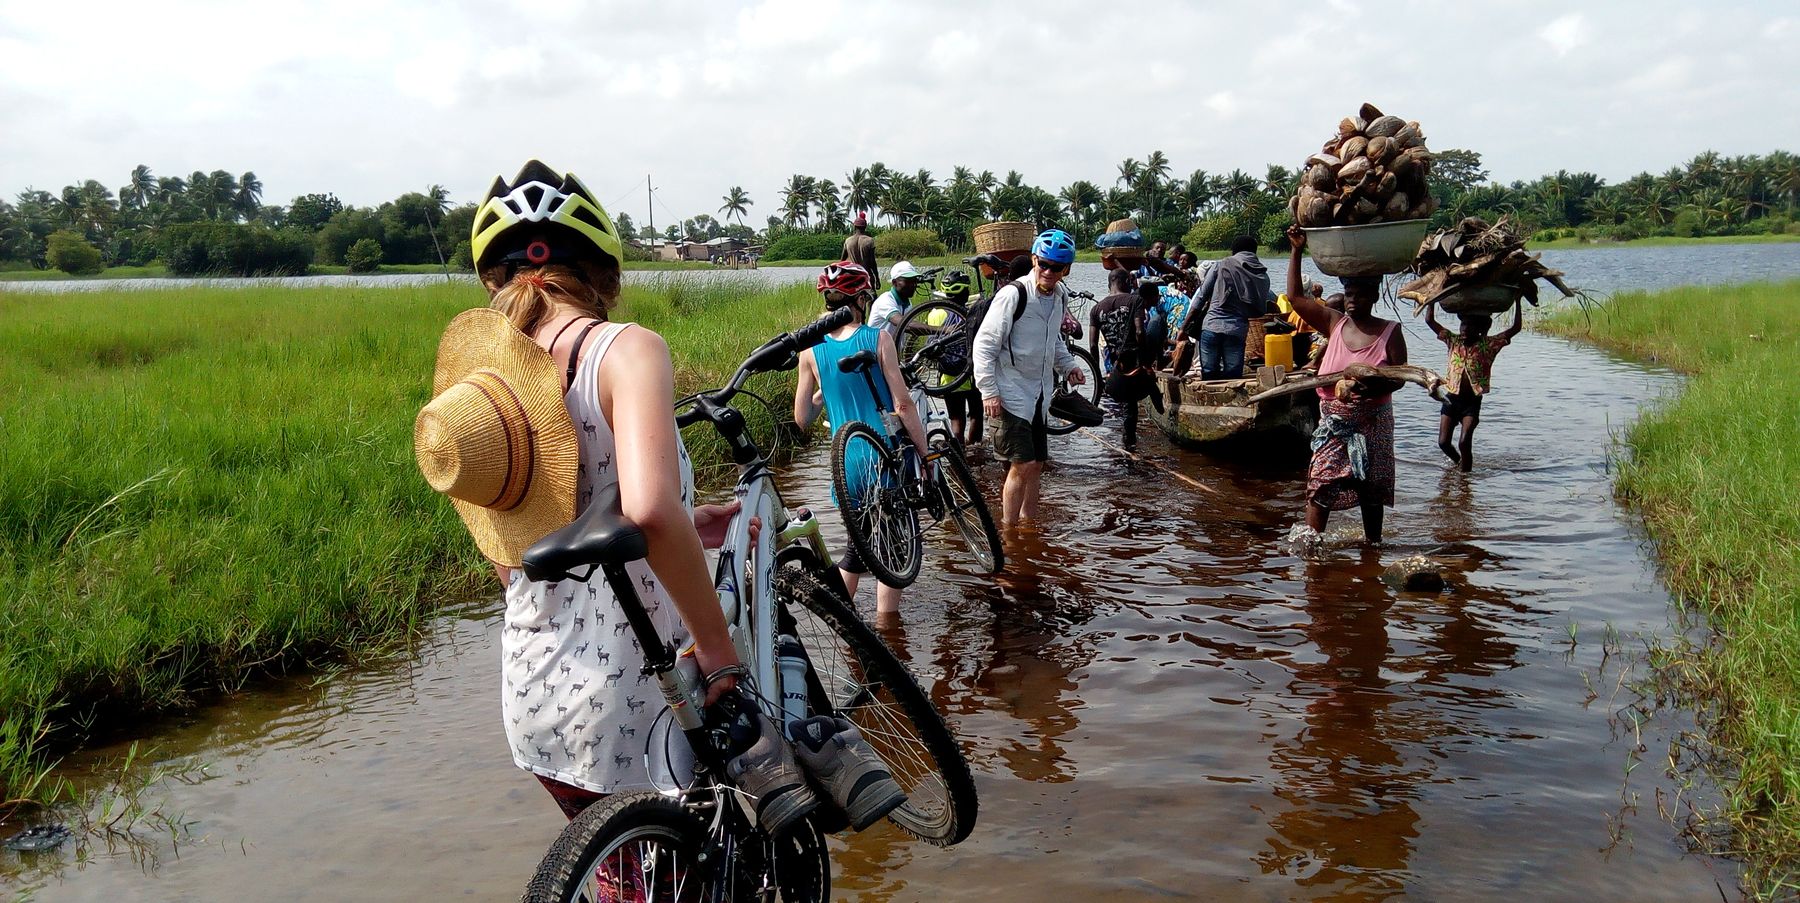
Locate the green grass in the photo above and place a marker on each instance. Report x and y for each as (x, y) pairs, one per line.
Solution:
(152, 271)
(321, 269)
(197, 486)
(1567, 244)
(1716, 473)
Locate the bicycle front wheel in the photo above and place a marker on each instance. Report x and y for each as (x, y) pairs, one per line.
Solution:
(633, 846)
(870, 489)
(858, 678)
(1089, 388)
(965, 507)
(935, 346)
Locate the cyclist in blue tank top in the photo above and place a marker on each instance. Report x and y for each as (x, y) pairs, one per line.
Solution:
(846, 396)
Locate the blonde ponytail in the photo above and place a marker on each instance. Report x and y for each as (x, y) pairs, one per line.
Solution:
(528, 298)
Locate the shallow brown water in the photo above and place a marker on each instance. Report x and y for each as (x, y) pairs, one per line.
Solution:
(1158, 701)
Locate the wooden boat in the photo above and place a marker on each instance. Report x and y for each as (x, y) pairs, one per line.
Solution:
(1216, 415)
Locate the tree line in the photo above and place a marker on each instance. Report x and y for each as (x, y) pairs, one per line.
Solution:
(1711, 194)
(217, 221)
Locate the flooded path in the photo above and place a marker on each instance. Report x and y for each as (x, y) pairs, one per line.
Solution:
(1157, 699)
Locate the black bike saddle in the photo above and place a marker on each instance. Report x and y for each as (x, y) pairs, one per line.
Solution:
(600, 534)
(862, 360)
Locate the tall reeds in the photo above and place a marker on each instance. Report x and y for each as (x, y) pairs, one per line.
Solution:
(198, 485)
(1715, 470)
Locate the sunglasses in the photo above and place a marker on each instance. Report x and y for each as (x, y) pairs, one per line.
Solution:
(1051, 266)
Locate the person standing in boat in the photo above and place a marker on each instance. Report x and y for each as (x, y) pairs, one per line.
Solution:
(1234, 291)
(1353, 448)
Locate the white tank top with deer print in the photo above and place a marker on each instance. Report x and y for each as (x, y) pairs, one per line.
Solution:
(577, 706)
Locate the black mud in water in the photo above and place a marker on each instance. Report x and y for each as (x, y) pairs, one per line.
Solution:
(1159, 701)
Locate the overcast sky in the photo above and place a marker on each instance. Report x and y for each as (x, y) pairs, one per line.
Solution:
(371, 98)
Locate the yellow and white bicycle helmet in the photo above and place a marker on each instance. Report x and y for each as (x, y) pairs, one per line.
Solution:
(540, 197)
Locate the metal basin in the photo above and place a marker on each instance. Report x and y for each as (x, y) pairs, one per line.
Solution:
(1374, 249)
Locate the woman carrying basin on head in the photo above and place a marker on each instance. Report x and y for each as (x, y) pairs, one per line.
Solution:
(1353, 449)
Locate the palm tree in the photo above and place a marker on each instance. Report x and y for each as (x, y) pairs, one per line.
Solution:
(1606, 207)
(439, 195)
(1080, 197)
(1237, 188)
(737, 203)
(797, 198)
(961, 175)
(1129, 171)
(1784, 177)
(247, 198)
(140, 188)
(880, 180)
(986, 184)
(1154, 172)
(859, 194)
(1195, 193)
(1703, 171)
(962, 205)
(825, 197)
(169, 188)
(66, 207)
(1278, 181)
(95, 208)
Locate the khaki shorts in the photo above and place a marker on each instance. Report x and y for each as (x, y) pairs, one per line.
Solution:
(1021, 441)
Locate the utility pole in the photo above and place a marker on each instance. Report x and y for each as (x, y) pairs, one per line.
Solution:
(650, 205)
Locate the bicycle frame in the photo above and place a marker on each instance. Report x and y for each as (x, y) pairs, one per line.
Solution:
(744, 575)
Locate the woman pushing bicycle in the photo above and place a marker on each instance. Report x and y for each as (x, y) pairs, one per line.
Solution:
(541, 403)
(847, 397)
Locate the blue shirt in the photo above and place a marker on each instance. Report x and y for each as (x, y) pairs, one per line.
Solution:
(847, 398)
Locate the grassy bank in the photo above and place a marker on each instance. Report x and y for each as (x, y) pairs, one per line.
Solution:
(1716, 474)
(197, 485)
(1567, 244)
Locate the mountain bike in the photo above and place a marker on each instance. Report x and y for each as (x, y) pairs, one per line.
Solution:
(806, 652)
(943, 366)
(882, 483)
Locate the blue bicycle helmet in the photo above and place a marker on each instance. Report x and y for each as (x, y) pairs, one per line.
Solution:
(1054, 245)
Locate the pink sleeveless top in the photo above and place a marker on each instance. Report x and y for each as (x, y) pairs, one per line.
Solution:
(1339, 355)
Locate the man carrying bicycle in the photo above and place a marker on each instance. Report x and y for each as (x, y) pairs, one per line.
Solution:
(1019, 353)
(890, 307)
(847, 396)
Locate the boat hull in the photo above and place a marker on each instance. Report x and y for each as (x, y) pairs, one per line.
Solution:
(1211, 415)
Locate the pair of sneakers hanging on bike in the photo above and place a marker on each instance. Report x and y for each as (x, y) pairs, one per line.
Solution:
(847, 397)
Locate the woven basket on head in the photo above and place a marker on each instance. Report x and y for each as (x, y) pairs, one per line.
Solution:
(994, 238)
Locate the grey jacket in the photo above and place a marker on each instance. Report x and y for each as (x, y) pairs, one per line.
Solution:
(1234, 291)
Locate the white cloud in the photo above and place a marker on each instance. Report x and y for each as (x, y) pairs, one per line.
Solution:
(368, 98)
(1565, 33)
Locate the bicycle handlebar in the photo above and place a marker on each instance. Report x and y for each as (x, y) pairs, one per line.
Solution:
(779, 353)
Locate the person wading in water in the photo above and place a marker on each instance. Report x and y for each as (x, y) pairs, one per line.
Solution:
(1353, 449)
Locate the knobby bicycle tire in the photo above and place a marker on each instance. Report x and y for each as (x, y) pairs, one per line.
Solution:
(966, 508)
(864, 682)
(802, 868)
(1084, 362)
(626, 830)
(947, 369)
(883, 526)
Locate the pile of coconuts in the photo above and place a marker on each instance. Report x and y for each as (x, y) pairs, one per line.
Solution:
(1373, 171)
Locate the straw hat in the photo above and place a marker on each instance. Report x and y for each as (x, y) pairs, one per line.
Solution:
(497, 437)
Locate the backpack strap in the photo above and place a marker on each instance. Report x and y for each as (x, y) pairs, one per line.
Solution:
(1017, 315)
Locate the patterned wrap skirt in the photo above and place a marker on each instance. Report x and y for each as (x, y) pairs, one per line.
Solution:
(1331, 482)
